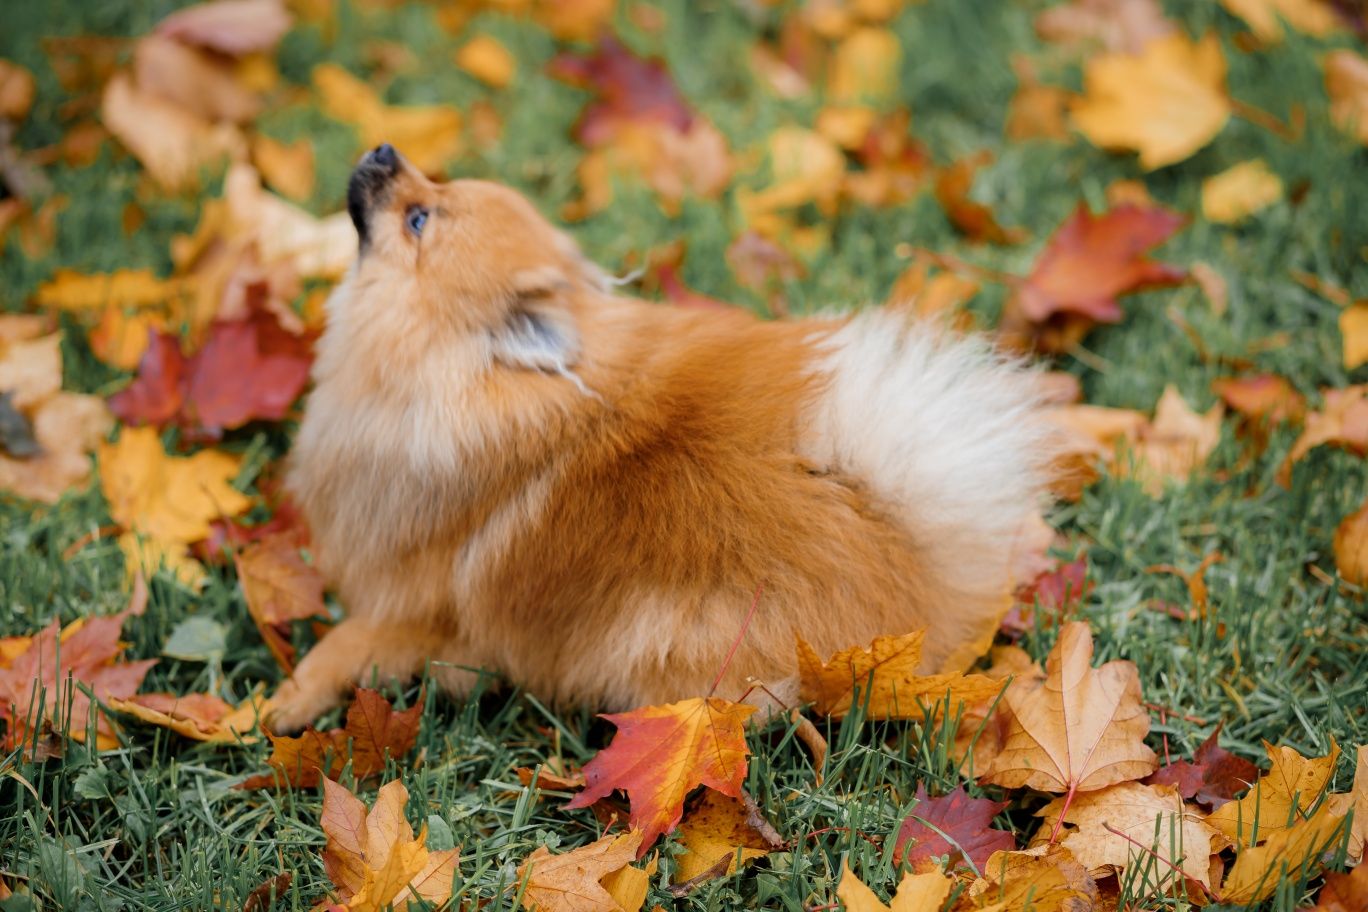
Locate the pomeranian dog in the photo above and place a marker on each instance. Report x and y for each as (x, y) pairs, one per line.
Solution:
(507, 466)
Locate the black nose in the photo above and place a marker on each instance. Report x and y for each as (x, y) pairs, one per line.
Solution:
(384, 156)
(369, 185)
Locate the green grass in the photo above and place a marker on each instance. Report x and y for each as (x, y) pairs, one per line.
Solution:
(156, 824)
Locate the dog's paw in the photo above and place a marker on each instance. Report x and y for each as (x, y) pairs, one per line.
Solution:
(292, 708)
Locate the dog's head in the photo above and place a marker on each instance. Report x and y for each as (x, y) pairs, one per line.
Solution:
(471, 255)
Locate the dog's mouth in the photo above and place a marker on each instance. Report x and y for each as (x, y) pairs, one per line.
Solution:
(369, 186)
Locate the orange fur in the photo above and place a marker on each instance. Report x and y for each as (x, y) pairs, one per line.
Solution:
(595, 530)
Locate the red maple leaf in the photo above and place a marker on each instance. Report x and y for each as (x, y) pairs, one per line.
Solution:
(922, 837)
(1213, 777)
(630, 89)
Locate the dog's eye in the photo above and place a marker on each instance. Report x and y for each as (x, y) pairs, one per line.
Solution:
(415, 219)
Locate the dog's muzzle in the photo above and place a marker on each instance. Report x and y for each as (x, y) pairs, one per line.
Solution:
(369, 186)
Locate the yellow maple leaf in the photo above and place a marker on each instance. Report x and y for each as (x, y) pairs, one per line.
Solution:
(1240, 191)
(883, 678)
(1081, 731)
(571, 881)
(714, 830)
(1291, 850)
(428, 135)
(200, 717)
(1279, 799)
(916, 893)
(1165, 102)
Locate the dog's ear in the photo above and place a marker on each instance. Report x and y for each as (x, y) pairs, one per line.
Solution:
(539, 332)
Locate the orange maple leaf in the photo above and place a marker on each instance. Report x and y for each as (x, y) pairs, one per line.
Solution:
(661, 753)
(374, 731)
(1082, 730)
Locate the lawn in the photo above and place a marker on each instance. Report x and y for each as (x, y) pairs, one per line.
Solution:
(156, 823)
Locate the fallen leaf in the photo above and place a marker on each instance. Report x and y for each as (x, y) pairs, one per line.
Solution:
(1057, 591)
(1290, 851)
(1351, 546)
(1115, 25)
(263, 897)
(1357, 800)
(894, 163)
(1036, 111)
(232, 27)
(279, 588)
(1240, 191)
(1047, 879)
(1089, 435)
(1353, 326)
(16, 91)
(939, 295)
(628, 886)
(863, 69)
(428, 135)
(47, 681)
(973, 219)
(373, 859)
(1082, 731)
(287, 167)
(283, 233)
(661, 753)
(1344, 892)
(1279, 799)
(1088, 263)
(1265, 18)
(1346, 82)
(1261, 397)
(714, 830)
(1342, 421)
(373, 733)
(916, 893)
(195, 81)
(1165, 101)
(31, 369)
(1176, 442)
(954, 827)
(1212, 777)
(571, 881)
(805, 167)
(198, 716)
(882, 679)
(1131, 824)
(133, 289)
(550, 779)
(487, 60)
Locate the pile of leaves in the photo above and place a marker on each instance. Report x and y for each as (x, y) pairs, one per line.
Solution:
(154, 352)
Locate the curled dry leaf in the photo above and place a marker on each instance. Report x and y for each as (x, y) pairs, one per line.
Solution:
(573, 881)
(1213, 776)
(955, 827)
(232, 27)
(198, 716)
(1132, 824)
(374, 732)
(1240, 191)
(280, 588)
(661, 753)
(1082, 731)
(1057, 591)
(718, 829)
(1344, 892)
(916, 893)
(373, 858)
(1165, 101)
(1089, 435)
(882, 680)
(1291, 787)
(1291, 851)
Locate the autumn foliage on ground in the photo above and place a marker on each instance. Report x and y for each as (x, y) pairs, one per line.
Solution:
(1159, 203)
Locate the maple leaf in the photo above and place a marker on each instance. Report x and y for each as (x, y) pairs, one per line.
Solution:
(1166, 101)
(1346, 82)
(882, 678)
(198, 716)
(279, 588)
(1213, 776)
(1044, 879)
(1293, 851)
(1129, 824)
(972, 219)
(1341, 421)
(1082, 731)
(1344, 892)
(1278, 800)
(661, 753)
(573, 881)
(373, 858)
(233, 27)
(916, 893)
(720, 829)
(427, 135)
(1265, 17)
(952, 826)
(57, 667)
(373, 733)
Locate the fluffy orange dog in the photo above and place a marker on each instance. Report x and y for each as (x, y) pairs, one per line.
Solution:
(507, 466)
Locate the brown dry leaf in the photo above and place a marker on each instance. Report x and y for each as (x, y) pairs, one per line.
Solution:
(1195, 581)
(717, 829)
(1176, 442)
(1342, 421)
(488, 61)
(196, 81)
(288, 168)
(198, 716)
(1045, 879)
(1156, 826)
(1082, 731)
(428, 135)
(1346, 82)
(173, 144)
(1265, 18)
(120, 338)
(1240, 191)
(916, 893)
(1115, 25)
(1344, 892)
(1353, 326)
(571, 881)
(1165, 102)
(16, 91)
(373, 859)
(1257, 870)
(1351, 547)
(279, 588)
(882, 679)
(1283, 796)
